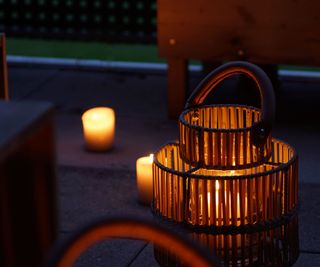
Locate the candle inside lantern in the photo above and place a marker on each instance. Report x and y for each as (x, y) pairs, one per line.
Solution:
(227, 203)
(99, 128)
(228, 197)
(144, 179)
(218, 202)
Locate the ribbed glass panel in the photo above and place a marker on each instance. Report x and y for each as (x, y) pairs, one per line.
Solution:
(211, 197)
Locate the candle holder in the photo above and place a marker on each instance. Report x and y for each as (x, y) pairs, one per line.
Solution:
(227, 177)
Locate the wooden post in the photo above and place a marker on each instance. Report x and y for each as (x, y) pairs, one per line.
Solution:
(4, 91)
(177, 85)
(27, 183)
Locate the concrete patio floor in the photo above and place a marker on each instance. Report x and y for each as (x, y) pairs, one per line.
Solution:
(139, 100)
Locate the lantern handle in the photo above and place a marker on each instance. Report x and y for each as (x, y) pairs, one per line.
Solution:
(260, 130)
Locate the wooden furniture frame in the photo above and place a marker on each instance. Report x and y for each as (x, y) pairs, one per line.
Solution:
(273, 32)
(4, 91)
(27, 183)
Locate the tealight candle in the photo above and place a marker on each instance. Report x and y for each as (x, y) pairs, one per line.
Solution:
(144, 179)
(99, 128)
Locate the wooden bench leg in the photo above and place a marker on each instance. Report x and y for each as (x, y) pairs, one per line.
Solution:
(177, 86)
(4, 92)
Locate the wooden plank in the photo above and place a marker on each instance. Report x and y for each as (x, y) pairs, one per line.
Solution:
(177, 85)
(27, 183)
(274, 32)
(271, 14)
(4, 91)
(259, 47)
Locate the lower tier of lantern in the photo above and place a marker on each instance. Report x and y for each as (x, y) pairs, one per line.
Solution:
(266, 193)
(278, 246)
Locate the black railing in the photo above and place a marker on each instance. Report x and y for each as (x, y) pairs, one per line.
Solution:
(100, 20)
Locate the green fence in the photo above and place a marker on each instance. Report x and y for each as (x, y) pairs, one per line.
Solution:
(127, 21)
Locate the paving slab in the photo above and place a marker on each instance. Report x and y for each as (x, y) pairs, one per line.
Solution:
(145, 258)
(309, 217)
(308, 260)
(24, 81)
(74, 91)
(111, 252)
(85, 195)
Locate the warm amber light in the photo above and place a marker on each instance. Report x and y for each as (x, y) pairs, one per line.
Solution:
(144, 179)
(226, 195)
(217, 186)
(226, 178)
(99, 128)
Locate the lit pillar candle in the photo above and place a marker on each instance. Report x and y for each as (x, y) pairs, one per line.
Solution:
(99, 128)
(144, 179)
(219, 201)
(228, 200)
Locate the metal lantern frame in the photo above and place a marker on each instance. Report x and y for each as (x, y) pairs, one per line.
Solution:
(227, 175)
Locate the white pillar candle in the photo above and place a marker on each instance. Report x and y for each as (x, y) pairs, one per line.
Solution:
(99, 128)
(145, 179)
